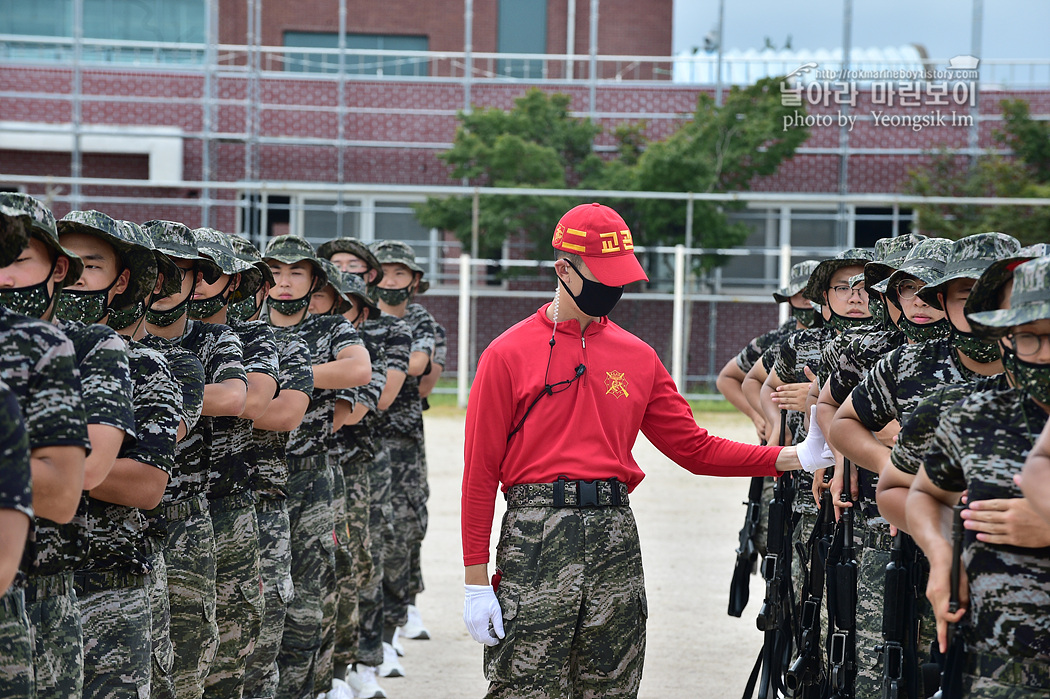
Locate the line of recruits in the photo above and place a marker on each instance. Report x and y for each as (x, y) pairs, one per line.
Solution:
(925, 364)
(213, 480)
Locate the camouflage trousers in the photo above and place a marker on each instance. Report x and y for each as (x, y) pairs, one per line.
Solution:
(987, 676)
(16, 647)
(353, 563)
(312, 545)
(573, 600)
(275, 563)
(330, 600)
(380, 532)
(58, 639)
(238, 596)
(162, 684)
(117, 643)
(871, 595)
(190, 555)
(402, 577)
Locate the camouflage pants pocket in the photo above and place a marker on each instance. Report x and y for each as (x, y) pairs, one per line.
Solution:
(58, 654)
(499, 659)
(251, 591)
(117, 651)
(16, 648)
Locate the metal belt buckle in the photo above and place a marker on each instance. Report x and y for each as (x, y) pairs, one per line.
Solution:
(587, 493)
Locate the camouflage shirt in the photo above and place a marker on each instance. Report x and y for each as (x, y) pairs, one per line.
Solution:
(979, 446)
(898, 381)
(853, 356)
(219, 350)
(357, 442)
(440, 345)
(118, 532)
(231, 466)
(917, 433)
(798, 350)
(268, 448)
(105, 382)
(39, 364)
(188, 372)
(326, 337)
(16, 492)
(753, 351)
(405, 415)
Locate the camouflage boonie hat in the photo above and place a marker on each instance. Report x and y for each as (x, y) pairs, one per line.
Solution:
(397, 252)
(42, 227)
(357, 288)
(798, 278)
(14, 234)
(176, 240)
(172, 276)
(925, 262)
(354, 247)
(1029, 301)
(985, 293)
(290, 249)
(820, 279)
(969, 257)
(336, 280)
(132, 246)
(889, 254)
(246, 252)
(217, 246)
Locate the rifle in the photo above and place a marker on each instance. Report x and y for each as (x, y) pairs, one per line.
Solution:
(746, 551)
(774, 618)
(806, 672)
(898, 621)
(951, 675)
(842, 651)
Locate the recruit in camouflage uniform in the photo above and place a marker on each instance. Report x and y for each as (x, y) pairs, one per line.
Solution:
(113, 585)
(155, 406)
(190, 545)
(239, 600)
(402, 441)
(310, 475)
(39, 365)
(16, 496)
(978, 447)
(270, 480)
(354, 455)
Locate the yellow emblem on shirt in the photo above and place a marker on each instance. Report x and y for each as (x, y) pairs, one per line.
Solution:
(616, 384)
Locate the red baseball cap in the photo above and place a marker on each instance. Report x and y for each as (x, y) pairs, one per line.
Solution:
(600, 236)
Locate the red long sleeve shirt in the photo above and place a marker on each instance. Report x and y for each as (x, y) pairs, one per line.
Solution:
(584, 432)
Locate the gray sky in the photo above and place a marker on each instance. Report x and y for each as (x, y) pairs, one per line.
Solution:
(1012, 28)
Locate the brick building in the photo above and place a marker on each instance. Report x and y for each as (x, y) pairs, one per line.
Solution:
(274, 129)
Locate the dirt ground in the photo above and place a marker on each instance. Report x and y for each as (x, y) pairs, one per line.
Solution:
(688, 527)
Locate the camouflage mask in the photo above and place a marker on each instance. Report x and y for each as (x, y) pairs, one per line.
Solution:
(1034, 379)
(32, 301)
(877, 307)
(806, 316)
(289, 307)
(1009, 359)
(83, 306)
(126, 317)
(845, 323)
(981, 351)
(937, 330)
(165, 318)
(393, 297)
(206, 308)
(244, 309)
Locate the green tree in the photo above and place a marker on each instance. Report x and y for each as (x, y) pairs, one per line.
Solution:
(538, 144)
(724, 148)
(1023, 175)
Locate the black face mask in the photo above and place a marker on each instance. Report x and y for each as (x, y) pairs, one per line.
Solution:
(595, 299)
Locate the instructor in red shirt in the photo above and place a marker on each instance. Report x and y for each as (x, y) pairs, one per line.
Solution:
(555, 408)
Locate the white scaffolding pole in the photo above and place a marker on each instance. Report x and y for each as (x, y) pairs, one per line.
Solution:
(465, 330)
(678, 320)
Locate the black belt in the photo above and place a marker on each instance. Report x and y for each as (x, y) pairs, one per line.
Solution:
(566, 493)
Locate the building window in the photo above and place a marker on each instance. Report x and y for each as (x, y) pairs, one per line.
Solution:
(522, 29)
(356, 63)
(178, 21)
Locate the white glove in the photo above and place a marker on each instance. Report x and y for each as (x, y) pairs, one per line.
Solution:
(482, 614)
(814, 453)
